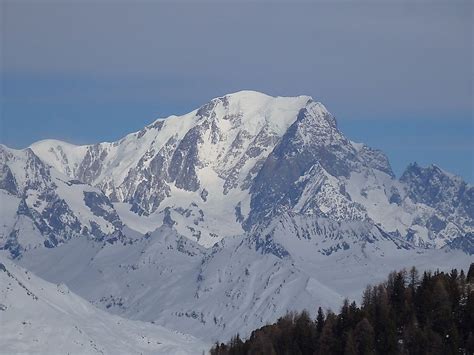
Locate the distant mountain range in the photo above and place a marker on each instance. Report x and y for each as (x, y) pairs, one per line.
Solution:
(222, 219)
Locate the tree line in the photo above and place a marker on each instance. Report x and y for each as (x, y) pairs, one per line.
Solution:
(409, 313)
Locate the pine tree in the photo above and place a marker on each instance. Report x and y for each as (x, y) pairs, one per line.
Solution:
(384, 324)
(236, 345)
(344, 317)
(423, 299)
(284, 333)
(434, 342)
(396, 290)
(328, 340)
(364, 337)
(414, 279)
(470, 274)
(470, 343)
(467, 318)
(434, 316)
(320, 320)
(303, 333)
(414, 340)
(263, 346)
(350, 347)
(441, 315)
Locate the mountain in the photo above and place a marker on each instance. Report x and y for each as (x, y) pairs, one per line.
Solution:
(240, 283)
(39, 317)
(194, 170)
(224, 168)
(42, 207)
(221, 220)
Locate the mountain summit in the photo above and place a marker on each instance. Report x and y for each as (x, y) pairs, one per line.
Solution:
(227, 166)
(222, 219)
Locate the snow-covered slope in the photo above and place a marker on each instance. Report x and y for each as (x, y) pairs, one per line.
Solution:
(224, 168)
(41, 207)
(220, 220)
(37, 317)
(239, 284)
(195, 168)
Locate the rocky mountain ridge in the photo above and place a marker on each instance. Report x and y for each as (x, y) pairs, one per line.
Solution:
(221, 220)
(232, 165)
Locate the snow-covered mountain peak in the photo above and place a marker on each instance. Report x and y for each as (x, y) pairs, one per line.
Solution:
(222, 219)
(252, 110)
(239, 159)
(257, 98)
(206, 157)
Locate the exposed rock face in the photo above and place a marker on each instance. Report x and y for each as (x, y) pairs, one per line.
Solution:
(91, 165)
(311, 150)
(101, 206)
(185, 160)
(7, 181)
(223, 219)
(43, 208)
(446, 193)
(241, 160)
(464, 243)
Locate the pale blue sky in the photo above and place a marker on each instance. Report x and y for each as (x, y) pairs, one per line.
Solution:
(397, 75)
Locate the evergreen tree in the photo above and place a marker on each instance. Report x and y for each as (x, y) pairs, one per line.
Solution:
(404, 315)
(303, 333)
(262, 345)
(470, 274)
(467, 318)
(434, 342)
(350, 347)
(441, 316)
(470, 343)
(384, 324)
(344, 317)
(414, 278)
(328, 340)
(414, 340)
(396, 291)
(364, 337)
(320, 320)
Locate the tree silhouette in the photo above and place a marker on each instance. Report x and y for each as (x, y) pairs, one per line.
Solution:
(406, 314)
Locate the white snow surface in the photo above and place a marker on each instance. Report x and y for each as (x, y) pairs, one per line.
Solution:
(234, 287)
(238, 132)
(218, 149)
(37, 317)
